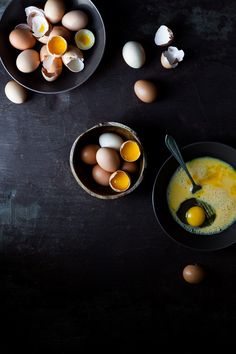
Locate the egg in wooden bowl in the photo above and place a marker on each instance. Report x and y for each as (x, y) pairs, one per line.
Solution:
(108, 160)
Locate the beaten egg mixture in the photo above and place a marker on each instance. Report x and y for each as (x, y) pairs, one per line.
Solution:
(218, 181)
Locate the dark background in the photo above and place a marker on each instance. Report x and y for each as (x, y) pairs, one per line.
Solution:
(75, 270)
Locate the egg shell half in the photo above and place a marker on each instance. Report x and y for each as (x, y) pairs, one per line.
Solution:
(108, 159)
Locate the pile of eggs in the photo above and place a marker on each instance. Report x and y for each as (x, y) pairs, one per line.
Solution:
(63, 37)
(113, 161)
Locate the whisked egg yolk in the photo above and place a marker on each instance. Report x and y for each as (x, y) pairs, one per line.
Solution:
(119, 181)
(130, 151)
(195, 216)
(57, 45)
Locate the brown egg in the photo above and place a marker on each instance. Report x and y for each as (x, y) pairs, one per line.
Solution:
(88, 154)
(146, 91)
(130, 167)
(193, 274)
(108, 159)
(21, 38)
(61, 31)
(101, 176)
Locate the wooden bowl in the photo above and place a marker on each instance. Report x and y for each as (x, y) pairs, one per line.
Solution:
(83, 172)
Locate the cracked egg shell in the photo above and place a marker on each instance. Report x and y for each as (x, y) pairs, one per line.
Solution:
(37, 21)
(73, 59)
(119, 181)
(171, 57)
(43, 53)
(52, 68)
(164, 36)
(46, 37)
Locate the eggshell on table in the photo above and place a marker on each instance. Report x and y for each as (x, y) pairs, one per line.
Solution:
(15, 92)
(108, 159)
(146, 91)
(75, 20)
(54, 10)
(28, 61)
(22, 38)
(101, 176)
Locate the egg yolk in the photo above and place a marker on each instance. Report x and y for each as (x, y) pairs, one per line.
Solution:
(195, 216)
(120, 181)
(42, 28)
(57, 45)
(84, 39)
(130, 151)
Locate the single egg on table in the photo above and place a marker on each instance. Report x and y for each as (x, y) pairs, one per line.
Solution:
(101, 176)
(196, 216)
(84, 39)
(88, 154)
(110, 140)
(130, 151)
(75, 20)
(108, 159)
(28, 61)
(15, 92)
(134, 54)
(146, 91)
(119, 181)
(193, 274)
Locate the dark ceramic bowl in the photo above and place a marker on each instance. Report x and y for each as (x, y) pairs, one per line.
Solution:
(15, 14)
(82, 172)
(161, 209)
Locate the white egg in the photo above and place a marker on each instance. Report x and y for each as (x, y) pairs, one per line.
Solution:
(134, 54)
(111, 140)
(15, 92)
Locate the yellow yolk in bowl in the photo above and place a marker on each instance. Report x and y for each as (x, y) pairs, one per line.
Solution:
(195, 216)
(57, 46)
(130, 151)
(119, 181)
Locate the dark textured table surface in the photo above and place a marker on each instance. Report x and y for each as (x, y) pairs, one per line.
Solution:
(75, 269)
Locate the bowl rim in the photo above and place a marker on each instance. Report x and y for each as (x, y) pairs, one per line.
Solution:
(109, 196)
(153, 199)
(75, 86)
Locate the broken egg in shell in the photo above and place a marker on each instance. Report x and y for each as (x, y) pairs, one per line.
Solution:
(73, 59)
(171, 57)
(119, 181)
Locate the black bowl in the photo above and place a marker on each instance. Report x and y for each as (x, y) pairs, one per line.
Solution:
(161, 209)
(15, 14)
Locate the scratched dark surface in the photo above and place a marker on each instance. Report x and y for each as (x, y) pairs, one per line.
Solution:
(75, 270)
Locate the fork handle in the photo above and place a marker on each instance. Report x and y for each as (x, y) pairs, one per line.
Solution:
(173, 148)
